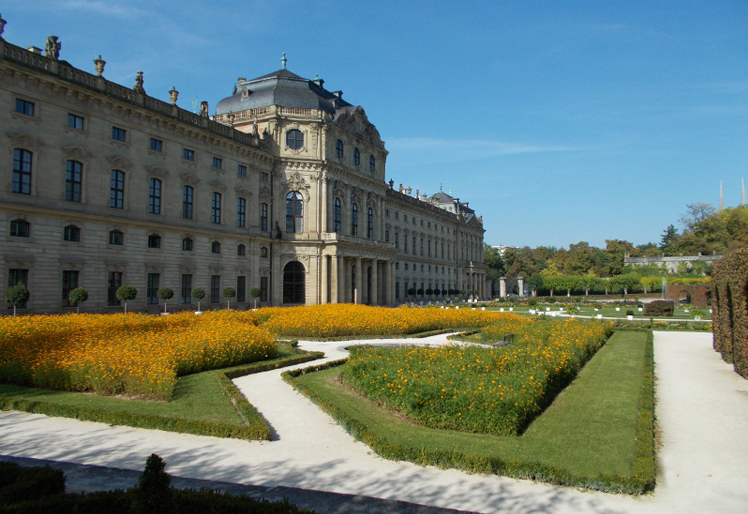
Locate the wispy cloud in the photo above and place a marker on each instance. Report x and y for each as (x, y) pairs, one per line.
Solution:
(105, 8)
(451, 149)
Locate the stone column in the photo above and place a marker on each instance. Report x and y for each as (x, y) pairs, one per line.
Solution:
(374, 282)
(520, 286)
(334, 279)
(359, 281)
(324, 279)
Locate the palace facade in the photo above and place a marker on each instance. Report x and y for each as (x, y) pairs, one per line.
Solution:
(282, 189)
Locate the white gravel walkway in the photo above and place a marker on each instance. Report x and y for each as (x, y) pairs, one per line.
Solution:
(702, 410)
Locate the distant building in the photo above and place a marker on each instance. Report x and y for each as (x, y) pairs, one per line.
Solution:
(670, 263)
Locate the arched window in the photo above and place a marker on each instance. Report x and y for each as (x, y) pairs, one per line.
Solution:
(263, 252)
(356, 157)
(117, 190)
(339, 149)
(370, 223)
(372, 164)
(20, 228)
(187, 244)
(294, 278)
(215, 247)
(241, 250)
(154, 196)
(116, 237)
(294, 212)
(354, 219)
(21, 171)
(73, 181)
(154, 241)
(336, 215)
(294, 139)
(71, 233)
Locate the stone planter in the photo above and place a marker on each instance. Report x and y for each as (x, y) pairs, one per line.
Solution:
(599, 316)
(630, 316)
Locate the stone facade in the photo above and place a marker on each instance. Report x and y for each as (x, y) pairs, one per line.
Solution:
(103, 185)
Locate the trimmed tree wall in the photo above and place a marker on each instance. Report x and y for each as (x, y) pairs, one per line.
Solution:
(730, 316)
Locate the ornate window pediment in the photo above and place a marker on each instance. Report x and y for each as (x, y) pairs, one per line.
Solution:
(119, 162)
(217, 184)
(157, 171)
(76, 153)
(243, 191)
(295, 182)
(25, 140)
(189, 179)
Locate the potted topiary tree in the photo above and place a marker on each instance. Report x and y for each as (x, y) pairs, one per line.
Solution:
(164, 294)
(255, 293)
(125, 294)
(76, 297)
(198, 294)
(411, 292)
(228, 293)
(17, 295)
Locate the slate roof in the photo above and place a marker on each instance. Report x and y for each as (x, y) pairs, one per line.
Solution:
(283, 88)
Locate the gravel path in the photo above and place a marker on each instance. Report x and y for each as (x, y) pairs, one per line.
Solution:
(702, 409)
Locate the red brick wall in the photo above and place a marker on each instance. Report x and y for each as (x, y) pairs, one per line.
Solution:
(698, 293)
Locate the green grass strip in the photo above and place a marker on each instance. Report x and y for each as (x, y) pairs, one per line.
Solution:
(597, 434)
(206, 403)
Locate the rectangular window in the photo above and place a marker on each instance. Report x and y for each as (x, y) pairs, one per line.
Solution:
(21, 171)
(405, 244)
(263, 289)
(69, 282)
(116, 237)
(25, 107)
(73, 181)
(15, 277)
(215, 208)
(71, 233)
(157, 145)
(75, 122)
(114, 283)
(397, 289)
(241, 289)
(119, 134)
(217, 163)
(242, 169)
(241, 213)
(414, 245)
(186, 288)
(397, 240)
(188, 154)
(117, 191)
(151, 290)
(421, 247)
(187, 193)
(154, 196)
(264, 216)
(215, 288)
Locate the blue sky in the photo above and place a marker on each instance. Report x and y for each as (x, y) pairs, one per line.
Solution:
(558, 121)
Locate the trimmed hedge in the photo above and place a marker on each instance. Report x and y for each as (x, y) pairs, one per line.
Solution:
(730, 314)
(256, 428)
(659, 308)
(644, 469)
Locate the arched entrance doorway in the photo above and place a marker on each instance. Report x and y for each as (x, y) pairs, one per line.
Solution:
(294, 278)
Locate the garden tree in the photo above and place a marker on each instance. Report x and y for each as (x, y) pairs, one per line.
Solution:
(526, 261)
(429, 292)
(198, 294)
(736, 222)
(650, 282)
(581, 259)
(625, 282)
(420, 291)
(535, 283)
(153, 494)
(569, 282)
(164, 294)
(615, 251)
(125, 294)
(589, 282)
(76, 297)
(16, 295)
(695, 214)
(649, 250)
(255, 293)
(669, 240)
(411, 292)
(494, 264)
(228, 293)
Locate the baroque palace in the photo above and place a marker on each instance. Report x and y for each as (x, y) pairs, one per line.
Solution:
(282, 189)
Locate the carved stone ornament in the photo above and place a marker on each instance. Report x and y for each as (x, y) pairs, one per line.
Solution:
(243, 191)
(76, 153)
(138, 87)
(173, 95)
(25, 140)
(119, 162)
(99, 64)
(356, 122)
(156, 171)
(295, 182)
(288, 257)
(265, 193)
(217, 184)
(204, 109)
(52, 48)
(189, 179)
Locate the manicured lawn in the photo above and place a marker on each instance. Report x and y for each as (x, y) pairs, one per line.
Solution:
(587, 437)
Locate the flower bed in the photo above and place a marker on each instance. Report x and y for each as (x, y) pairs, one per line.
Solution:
(478, 389)
(134, 355)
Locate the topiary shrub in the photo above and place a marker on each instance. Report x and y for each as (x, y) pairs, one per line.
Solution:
(198, 294)
(125, 294)
(660, 308)
(729, 316)
(153, 495)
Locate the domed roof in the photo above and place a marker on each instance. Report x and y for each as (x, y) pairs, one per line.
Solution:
(281, 88)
